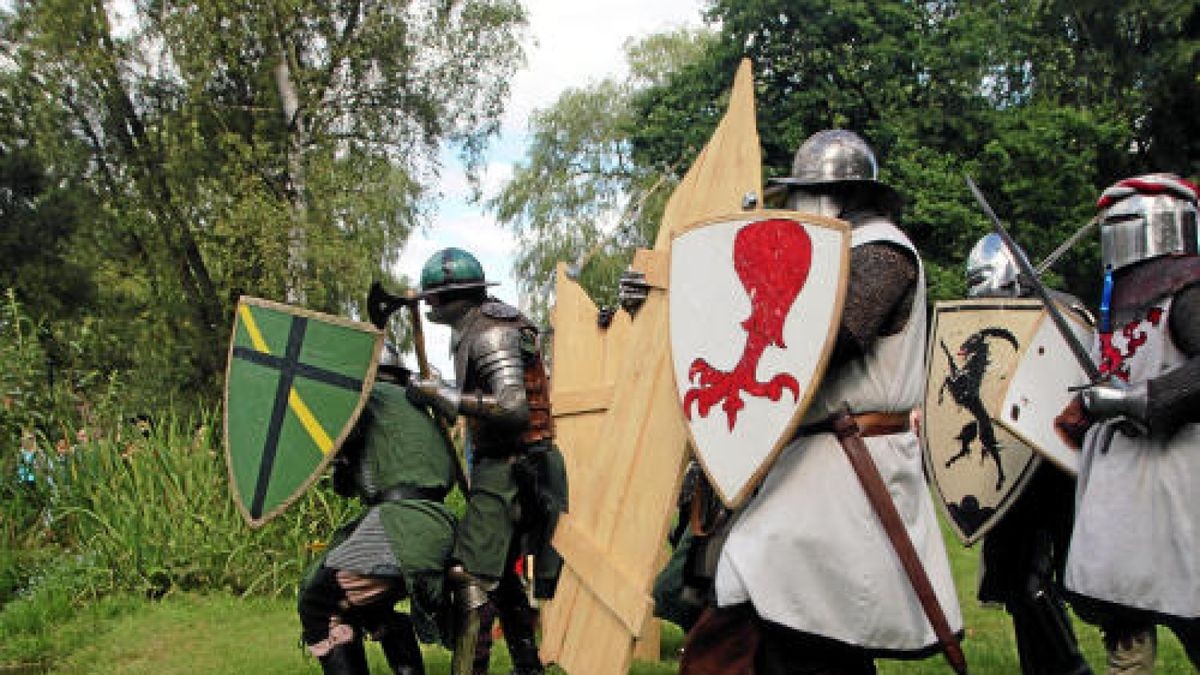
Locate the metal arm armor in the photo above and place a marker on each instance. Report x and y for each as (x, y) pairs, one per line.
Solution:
(1174, 396)
(499, 374)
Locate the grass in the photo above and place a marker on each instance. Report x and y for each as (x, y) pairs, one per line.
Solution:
(221, 633)
(139, 563)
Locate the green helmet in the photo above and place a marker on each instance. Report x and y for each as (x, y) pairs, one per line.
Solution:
(451, 269)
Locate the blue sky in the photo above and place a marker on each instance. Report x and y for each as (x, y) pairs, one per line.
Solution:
(571, 44)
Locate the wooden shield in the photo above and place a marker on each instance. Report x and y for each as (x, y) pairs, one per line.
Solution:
(978, 468)
(754, 307)
(1041, 386)
(295, 384)
(621, 429)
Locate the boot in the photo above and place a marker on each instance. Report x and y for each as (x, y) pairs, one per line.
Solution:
(517, 619)
(524, 653)
(469, 597)
(399, 643)
(1131, 651)
(483, 647)
(346, 659)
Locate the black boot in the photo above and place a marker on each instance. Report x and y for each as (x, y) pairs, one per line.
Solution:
(483, 647)
(399, 643)
(524, 653)
(346, 659)
(518, 621)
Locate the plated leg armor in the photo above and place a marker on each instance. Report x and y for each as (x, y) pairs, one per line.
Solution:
(470, 596)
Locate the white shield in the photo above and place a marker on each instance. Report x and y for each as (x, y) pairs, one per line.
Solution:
(1044, 382)
(755, 300)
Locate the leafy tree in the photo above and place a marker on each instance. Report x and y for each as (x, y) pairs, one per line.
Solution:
(1043, 103)
(282, 149)
(579, 196)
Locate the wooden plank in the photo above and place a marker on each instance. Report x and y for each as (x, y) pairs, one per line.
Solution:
(649, 646)
(656, 265)
(603, 576)
(635, 458)
(574, 402)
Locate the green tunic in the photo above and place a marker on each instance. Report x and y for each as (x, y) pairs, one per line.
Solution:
(397, 445)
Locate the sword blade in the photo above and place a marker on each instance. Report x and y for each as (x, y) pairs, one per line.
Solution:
(1077, 350)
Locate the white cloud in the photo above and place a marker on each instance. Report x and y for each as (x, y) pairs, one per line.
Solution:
(579, 42)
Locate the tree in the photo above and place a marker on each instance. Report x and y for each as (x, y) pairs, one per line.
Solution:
(578, 196)
(1043, 103)
(280, 148)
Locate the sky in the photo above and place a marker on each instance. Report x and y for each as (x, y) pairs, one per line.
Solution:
(571, 44)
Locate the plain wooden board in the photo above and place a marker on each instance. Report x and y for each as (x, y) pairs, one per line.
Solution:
(625, 463)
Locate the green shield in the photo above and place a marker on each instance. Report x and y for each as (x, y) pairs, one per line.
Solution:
(295, 384)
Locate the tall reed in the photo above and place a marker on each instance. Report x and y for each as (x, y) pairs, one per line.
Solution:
(156, 513)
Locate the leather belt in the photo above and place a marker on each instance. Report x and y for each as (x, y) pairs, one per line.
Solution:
(399, 493)
(869, 424)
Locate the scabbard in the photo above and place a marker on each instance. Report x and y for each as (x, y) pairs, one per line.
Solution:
(849, 436)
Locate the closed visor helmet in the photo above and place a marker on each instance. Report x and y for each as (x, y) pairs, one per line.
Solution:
(451, 269)
(1147, 217)
(838, 157)
(992, 270)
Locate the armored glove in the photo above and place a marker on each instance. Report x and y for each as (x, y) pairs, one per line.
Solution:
(632, 290)
(1106, 402)
(1103, 402)
(604, 316)
(432, 391)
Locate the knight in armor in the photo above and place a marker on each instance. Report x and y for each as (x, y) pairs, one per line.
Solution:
(1024, 554)
(517, 477)
(1135, 547)
(398, 464)
(806, 580)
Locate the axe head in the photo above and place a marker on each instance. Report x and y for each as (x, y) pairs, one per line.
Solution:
(381, 304)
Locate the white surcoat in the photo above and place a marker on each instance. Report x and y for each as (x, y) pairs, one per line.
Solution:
(808, 550)
(1136, 540)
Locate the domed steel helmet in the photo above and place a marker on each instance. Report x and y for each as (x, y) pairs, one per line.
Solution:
(1147, 217)
(838, 157)
(451, 269)
(992, 271)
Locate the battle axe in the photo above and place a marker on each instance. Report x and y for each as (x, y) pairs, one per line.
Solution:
(380, 307)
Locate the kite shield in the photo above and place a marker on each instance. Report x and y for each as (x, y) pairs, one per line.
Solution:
(977, 466)
(295, 384)
(1044, 382)
(754, 306)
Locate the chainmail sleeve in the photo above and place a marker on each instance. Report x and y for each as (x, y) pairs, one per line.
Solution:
(499, 371)
(1174, 397)
(878, 297)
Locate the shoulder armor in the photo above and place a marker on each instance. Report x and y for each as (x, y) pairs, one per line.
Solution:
(496, 342)
(498, 310)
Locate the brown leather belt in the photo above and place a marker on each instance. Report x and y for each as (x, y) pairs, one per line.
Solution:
(869, 424)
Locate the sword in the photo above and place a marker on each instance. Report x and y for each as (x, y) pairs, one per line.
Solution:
(1062, 249)
(850, 438)
(1081, 355)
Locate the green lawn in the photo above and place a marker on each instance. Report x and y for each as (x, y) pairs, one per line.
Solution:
(194, 633)
(219, 634)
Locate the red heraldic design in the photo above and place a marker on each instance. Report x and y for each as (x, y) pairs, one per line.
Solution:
(1113, 357)
(772, 259)
(754, 303)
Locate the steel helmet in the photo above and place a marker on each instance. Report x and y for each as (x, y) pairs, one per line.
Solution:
(451, 269)
(1146, 217)
(838, 157)
(992, 270)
